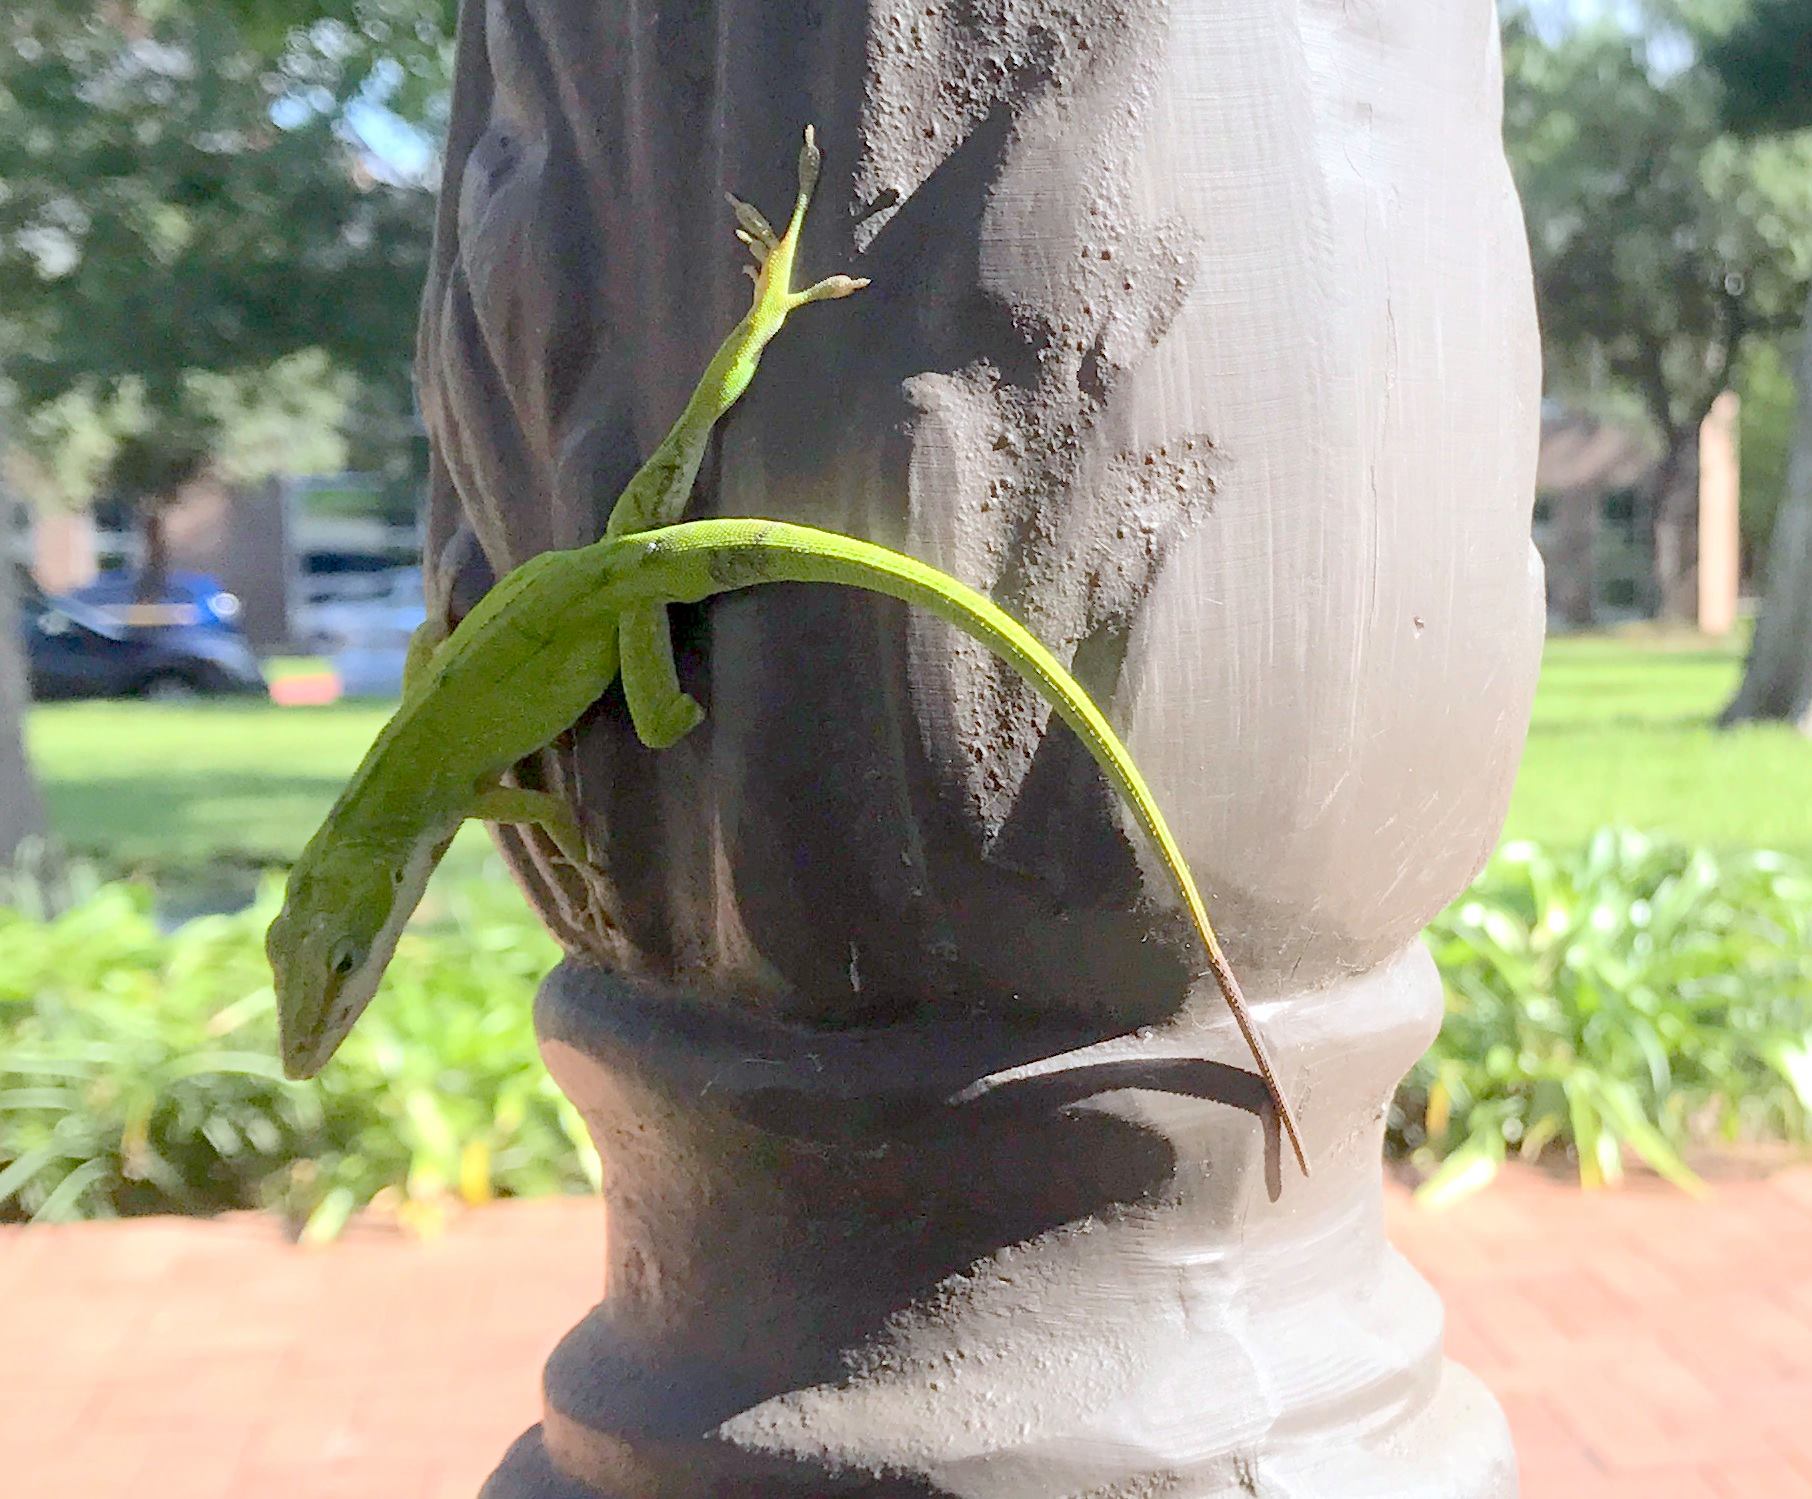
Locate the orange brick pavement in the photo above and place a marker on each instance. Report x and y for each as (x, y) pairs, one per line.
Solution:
(1642, 1343)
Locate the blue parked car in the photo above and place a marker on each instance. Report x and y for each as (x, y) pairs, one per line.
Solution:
(187, 600)
(74, 649)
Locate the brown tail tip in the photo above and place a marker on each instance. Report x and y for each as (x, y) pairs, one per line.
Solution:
(1289, 1128)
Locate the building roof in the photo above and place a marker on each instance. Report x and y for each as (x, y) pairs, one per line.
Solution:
(1582, 452)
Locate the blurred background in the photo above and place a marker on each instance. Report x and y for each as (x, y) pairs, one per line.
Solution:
(214, 218)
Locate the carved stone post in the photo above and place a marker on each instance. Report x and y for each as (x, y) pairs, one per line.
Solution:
(1202, 336)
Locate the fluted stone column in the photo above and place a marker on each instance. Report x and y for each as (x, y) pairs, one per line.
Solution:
(1202, 337)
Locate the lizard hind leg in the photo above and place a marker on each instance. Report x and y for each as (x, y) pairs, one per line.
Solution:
(498, 803)
(663, 715)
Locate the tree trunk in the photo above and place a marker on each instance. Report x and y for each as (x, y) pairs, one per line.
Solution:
(1202, 336)
(1573, 575)
(1777, 682)
(1675, 490)
(21, 809)
(154, 561)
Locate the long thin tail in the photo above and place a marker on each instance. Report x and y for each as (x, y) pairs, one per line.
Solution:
(695, 559)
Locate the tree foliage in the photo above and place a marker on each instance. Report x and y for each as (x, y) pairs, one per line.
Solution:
(1765, 64)
(1663, 244)
(1660, 243)
(184, 210)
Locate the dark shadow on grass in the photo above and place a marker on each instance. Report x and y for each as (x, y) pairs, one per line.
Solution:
(1621, 724)
(175, 817)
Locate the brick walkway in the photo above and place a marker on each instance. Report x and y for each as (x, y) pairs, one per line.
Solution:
(1644, 1345)
(167, 1359)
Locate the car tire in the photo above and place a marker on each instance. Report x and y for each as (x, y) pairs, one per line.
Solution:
(169, 687)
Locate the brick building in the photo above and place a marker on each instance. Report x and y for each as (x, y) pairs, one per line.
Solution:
(1594, 519)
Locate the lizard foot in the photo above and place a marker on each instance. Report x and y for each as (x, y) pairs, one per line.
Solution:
(774, 254)
(663, 727)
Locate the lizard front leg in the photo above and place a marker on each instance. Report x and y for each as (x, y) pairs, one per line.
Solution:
(499, 803)
(662, 714)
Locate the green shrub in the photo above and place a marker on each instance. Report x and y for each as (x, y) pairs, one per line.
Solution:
(138, 1070)
(1633, 994)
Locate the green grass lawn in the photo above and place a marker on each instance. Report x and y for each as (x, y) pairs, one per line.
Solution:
(1620, 735)
(200, 797)
(186, 785)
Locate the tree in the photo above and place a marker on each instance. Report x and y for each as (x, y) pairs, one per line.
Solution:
(1662, 244)
(1764, 64)
(182, 209)
(21, 810)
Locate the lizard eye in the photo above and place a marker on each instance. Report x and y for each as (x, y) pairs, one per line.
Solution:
(346, 957)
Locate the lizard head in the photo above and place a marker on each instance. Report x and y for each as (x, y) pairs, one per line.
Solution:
(336, 933)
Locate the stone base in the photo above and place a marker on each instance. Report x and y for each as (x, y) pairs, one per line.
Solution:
(1457, 1447)
(986, 1263)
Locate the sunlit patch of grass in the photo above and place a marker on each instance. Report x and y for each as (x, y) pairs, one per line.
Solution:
(1623, 735)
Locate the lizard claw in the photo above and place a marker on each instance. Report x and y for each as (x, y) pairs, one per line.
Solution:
(811, 162)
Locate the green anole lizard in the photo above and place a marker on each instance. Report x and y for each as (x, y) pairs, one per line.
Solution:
(547, 641)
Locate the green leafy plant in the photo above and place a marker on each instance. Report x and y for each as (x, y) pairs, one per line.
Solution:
(1634, 995)
(138, 1071)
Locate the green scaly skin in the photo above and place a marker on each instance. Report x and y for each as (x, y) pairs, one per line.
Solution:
(557, 621)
